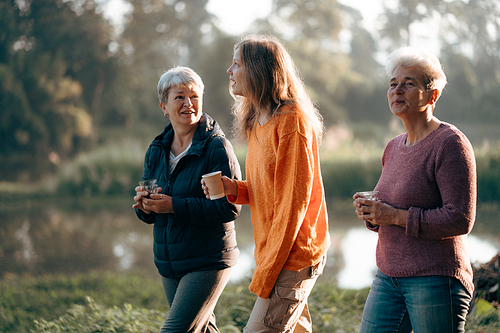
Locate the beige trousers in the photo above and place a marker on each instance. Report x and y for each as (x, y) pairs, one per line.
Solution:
(286, 308)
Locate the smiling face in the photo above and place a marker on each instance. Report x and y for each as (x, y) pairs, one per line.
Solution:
(184, 105)
(407, 94)
(236, 74)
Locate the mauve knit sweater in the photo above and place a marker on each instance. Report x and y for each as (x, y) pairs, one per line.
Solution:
(435, 180)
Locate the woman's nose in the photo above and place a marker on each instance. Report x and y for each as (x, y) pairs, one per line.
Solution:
(398, 89)
(187, 101)
(229, 70)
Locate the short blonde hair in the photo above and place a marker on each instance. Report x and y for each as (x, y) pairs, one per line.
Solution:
(178, 76)
(426, 62)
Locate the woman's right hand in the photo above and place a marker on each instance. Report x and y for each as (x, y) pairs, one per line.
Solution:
(378, 213)
(230, 187)
(140, 192)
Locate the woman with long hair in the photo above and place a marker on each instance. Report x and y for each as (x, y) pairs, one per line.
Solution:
(283, 185)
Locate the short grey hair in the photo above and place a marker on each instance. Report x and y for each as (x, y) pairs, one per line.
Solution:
(426, 62)
(178, 76)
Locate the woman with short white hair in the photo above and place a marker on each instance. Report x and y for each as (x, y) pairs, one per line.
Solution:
(194, 238)
(426, 208)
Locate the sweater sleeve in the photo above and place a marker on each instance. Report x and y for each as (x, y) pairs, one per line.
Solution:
(292, 192)
(242, 197)
(455, 172)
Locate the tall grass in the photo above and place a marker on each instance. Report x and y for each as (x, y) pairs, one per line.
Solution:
(350, 162)
(113, 168)
(108, 302)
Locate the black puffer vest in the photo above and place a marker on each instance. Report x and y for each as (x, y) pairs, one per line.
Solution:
(200, 235)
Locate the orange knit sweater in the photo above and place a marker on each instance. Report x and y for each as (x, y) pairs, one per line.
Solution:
(284, 189)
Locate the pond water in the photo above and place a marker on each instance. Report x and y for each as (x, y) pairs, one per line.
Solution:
(77, 235)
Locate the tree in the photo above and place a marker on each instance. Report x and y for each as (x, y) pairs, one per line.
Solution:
(332, 69)
(399, 19)
(51, 54)
(469, 36)
(162, 34)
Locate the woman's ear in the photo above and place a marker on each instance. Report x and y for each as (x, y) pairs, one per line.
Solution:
(163, 108)
(434, 96)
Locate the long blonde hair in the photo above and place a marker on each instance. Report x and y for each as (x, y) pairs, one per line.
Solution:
(270, 80)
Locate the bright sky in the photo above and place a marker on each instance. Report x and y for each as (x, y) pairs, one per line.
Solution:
(235, 16)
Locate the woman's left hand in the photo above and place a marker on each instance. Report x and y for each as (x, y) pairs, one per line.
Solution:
(379, 213)
(158, 203)
(154, 202)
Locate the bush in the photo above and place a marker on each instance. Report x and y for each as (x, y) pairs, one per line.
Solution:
(488, 177)
(113, 168)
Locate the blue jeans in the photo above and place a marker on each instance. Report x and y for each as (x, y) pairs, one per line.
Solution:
(192, 300)
(425, 304)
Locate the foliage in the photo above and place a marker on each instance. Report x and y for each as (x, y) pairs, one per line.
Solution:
(350, 161)
(489, 322)
(27, 298)
(67, 81)
(235, 305)
(163, 34)
(134, 303)
(336, 310)
(488, 177)
(53, 73)
(110, 169)
(469, 39)
(60, 301)
(343, 179)
(93, 317)
(311, 31)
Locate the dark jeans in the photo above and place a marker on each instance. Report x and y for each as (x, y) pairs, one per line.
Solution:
(425, 304)
(192, 300)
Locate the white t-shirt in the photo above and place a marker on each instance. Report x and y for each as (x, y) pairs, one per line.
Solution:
(173, 160)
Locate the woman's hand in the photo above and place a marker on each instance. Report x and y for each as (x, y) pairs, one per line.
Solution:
(140, 193)
(155, 202)
(379, 213)
(230, 187)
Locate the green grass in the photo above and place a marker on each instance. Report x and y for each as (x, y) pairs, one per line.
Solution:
(108, 302)
(27, 298)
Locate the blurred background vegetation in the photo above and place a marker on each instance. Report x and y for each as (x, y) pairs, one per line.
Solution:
(78, 108)
(77, 93)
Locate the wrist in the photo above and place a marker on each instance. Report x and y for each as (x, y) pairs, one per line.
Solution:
(232, 191)
(401, 216)
(234, 186)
